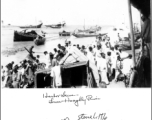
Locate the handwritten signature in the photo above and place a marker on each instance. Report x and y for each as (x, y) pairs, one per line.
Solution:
(66, 98)
(101, 116)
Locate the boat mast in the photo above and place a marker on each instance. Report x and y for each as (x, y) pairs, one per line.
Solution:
(84, 24)
(35, 22)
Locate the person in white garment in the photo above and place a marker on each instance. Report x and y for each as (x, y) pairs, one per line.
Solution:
(47, 59)
(102, 68)
(90, 55)
(127, 66)
(56, 75)
(113, 61)
(55, 52)
(98, 51)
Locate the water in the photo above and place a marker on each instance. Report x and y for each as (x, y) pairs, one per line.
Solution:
(51, 43)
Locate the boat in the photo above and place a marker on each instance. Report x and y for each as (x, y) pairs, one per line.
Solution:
(25, 35)
(91, 32)
(32, 26)
(64, 33)
(81, 35)
(56, 25)
(91, 29)
(126, 45)
(40, 41)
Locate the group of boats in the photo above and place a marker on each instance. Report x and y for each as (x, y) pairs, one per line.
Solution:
(60, 25)
(38, 36)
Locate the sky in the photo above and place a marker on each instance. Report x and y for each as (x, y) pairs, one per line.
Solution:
(74, 12)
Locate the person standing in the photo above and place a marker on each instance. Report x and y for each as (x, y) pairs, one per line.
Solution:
(102, 68)
(90, 55)
(31, 52)
(56, 75)
(47, 59)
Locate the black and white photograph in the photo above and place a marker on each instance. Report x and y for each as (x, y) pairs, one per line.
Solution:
(75, 44)
(57, 54)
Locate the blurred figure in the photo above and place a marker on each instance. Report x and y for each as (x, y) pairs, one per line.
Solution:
(102, 68)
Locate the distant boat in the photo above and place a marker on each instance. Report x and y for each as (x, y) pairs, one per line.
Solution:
(32, 26)
(80, 35)
(91, 29)
(91, 32)
(56, 25)
(25, 35)
(40, 41)
(64, 33)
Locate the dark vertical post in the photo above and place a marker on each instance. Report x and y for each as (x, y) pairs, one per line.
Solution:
(131, 32)
(151, 39)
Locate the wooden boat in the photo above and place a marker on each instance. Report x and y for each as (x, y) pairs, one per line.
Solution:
(91, 29)
(25, 36)
(126, 45)
(80, 35)
(56, 25)
(40, 41)
(32, 26)
(64, 33)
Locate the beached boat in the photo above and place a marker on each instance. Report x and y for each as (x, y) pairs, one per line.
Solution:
(40, 41)
(126, 45)
(25, 35)
(64, 33)
(32, 26)
(80, 35)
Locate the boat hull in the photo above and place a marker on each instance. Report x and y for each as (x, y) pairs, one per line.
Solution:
(85, 35)
(56, 25)
(37, 26)
(20, 37)
(39, 41)
(64, 33)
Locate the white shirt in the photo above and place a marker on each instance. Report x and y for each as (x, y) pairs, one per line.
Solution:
(113, 59)
(127, 65)
(21, 71)
(56, 74)
(47, 59)
(91, 57)
(102, 64)
(98, 53)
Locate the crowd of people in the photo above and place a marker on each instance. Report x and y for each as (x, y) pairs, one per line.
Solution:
(111, 62)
